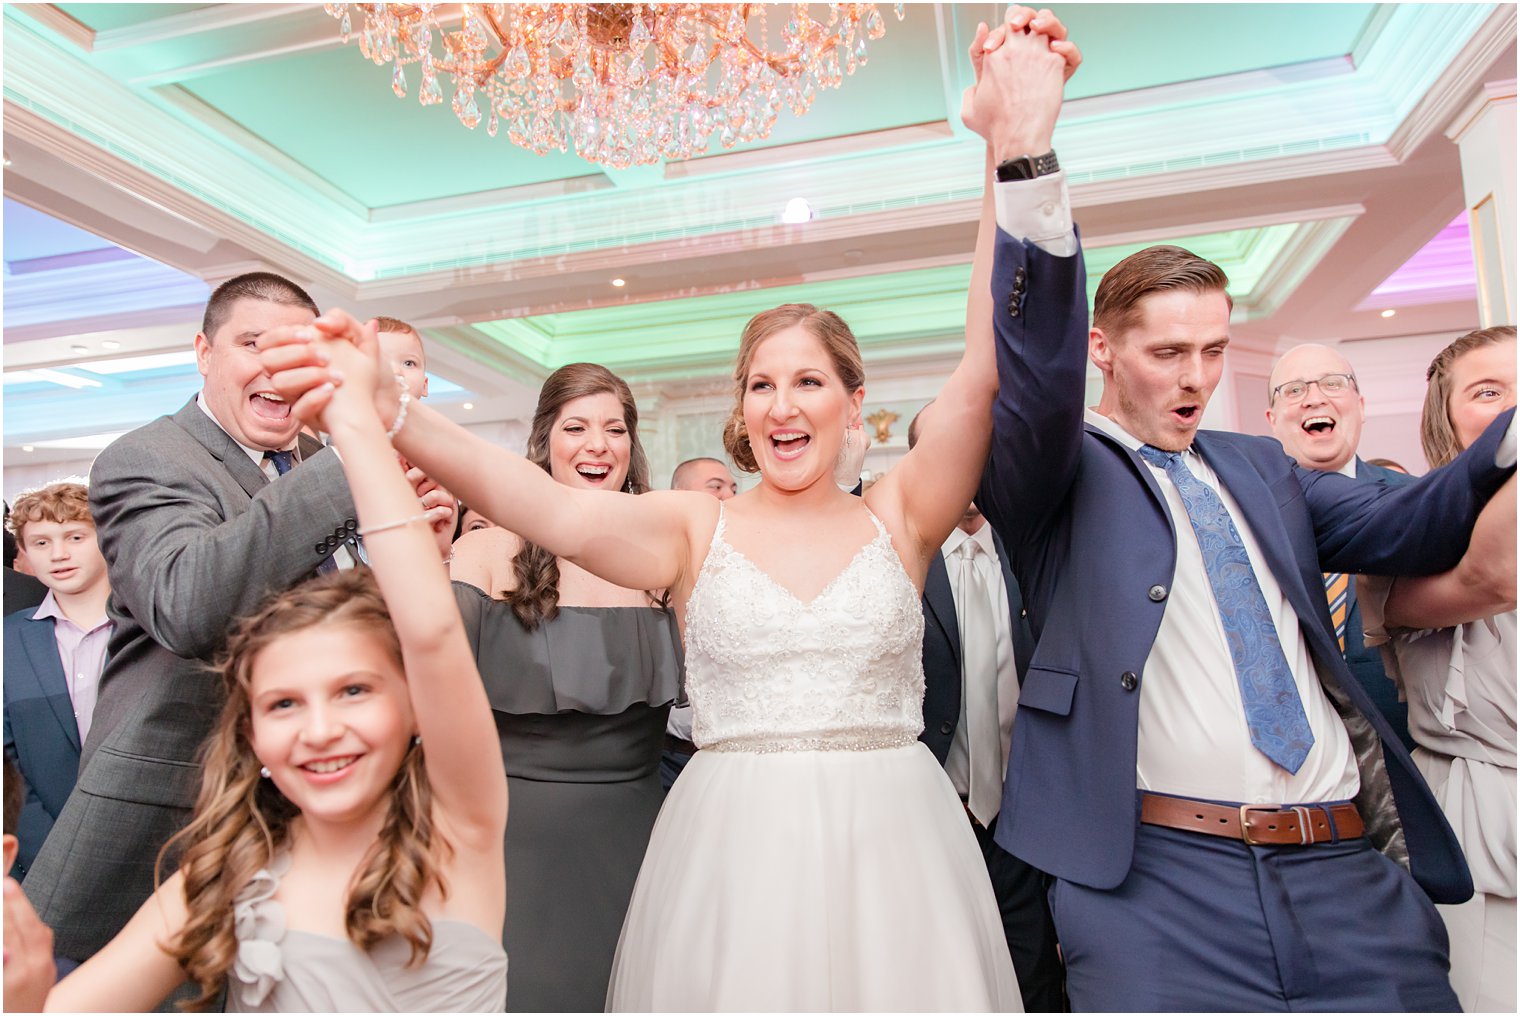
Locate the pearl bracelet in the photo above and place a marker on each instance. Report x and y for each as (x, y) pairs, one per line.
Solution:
(406, 397)
(419, 517)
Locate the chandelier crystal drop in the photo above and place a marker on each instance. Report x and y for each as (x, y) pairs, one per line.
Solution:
(625, 84)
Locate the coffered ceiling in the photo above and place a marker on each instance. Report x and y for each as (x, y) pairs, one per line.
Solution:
(154, 150)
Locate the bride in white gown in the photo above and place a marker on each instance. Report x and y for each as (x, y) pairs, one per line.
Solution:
(813, 856)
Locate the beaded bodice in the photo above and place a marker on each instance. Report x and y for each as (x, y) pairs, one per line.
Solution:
(767, 672)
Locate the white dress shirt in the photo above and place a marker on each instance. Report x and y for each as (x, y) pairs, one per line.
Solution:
(1193, 740)
(956, 762)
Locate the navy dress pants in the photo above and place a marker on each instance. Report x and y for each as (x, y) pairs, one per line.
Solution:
(1203, 923)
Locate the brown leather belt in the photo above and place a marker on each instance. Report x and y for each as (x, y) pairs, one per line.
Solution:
(679, 745)
(1297, 825)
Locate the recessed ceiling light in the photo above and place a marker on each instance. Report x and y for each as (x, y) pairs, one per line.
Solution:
(620, 283)
(797, 211)
(1389, 313)
(28, 448)
(80, 350)
(468, 405)
(109, 344)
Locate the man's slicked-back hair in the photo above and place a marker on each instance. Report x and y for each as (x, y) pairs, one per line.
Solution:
(251, 286)
(1116, 307)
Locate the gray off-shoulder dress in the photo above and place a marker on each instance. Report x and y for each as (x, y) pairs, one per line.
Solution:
(580, 704)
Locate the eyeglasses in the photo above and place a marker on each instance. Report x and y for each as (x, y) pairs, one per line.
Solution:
(1329, 384)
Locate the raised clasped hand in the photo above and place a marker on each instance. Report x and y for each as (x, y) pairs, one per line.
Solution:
(330, 369)
(1020, 67)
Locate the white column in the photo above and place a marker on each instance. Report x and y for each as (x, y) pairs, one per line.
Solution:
(1485, 134)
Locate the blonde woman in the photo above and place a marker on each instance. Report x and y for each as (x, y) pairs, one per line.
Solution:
(1449, 641)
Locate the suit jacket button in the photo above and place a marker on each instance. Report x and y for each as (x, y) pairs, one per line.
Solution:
(321, 548)
(1013, 305)
(1128, 680)
(946, 727)
(1157, 593)
(340, 532)
(351, 525)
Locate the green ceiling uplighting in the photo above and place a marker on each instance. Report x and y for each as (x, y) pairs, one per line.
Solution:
(923, 305)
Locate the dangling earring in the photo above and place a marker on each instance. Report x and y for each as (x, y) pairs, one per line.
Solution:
(264, 772)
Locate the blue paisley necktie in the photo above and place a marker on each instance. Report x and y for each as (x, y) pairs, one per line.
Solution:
(1274, 713)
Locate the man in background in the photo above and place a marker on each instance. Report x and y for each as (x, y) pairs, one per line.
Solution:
(1316, 409)
(977, 646)
(710, 476)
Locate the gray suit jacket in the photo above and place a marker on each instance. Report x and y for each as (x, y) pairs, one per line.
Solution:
(194, 536)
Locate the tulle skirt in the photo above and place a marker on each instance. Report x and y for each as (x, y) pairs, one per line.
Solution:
(813, 881)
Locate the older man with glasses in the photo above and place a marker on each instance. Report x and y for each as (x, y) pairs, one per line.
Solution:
(1316, 409)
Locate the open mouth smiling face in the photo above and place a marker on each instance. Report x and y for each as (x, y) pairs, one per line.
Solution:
(591, 443)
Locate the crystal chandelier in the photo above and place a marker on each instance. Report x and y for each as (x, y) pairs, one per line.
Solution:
(625, 84)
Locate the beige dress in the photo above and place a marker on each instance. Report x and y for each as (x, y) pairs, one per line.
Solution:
(1460, 686)
(283, 970)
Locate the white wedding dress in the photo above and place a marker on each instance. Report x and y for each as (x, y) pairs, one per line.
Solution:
(813, 856)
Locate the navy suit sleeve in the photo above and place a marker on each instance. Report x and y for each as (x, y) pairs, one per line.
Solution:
(1040, 319)
(1418, 529)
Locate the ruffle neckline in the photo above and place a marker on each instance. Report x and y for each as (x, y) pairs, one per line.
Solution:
(259, 924)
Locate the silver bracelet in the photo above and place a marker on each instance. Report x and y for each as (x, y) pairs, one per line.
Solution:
(406, 397)
(419, 517)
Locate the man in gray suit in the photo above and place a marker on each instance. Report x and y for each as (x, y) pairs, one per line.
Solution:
(195, 533)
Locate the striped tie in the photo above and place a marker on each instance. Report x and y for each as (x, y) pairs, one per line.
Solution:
(1337, 586)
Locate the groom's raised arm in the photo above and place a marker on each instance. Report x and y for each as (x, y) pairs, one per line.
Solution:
(1039, 298)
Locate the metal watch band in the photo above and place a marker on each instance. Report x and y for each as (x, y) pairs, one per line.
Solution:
(1027, 167)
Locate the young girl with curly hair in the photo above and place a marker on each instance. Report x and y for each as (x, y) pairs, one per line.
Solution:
(346, 849)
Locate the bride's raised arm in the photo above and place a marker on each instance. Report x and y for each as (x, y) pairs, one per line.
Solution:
(638, 542)
(1013, 105)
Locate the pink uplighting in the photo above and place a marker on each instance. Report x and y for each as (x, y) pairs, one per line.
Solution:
(1440, 272)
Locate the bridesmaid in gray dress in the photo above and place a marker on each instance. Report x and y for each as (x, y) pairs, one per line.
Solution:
(580, 675)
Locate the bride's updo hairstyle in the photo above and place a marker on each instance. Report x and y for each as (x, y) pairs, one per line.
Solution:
(825, 326)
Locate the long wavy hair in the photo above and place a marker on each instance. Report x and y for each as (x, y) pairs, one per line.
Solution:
(241, 820)
(1438, 438)
(535, 598)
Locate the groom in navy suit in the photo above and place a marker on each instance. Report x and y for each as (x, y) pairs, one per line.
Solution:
(1230, 822)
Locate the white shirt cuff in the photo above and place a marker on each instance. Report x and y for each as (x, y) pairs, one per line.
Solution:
(1505, 456)
(1038, 211)
(679, 723)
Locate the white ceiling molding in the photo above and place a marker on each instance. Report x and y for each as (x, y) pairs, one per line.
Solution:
(1433, 106)
(1491, 93)
(1305, 249)
(65, 27)
(175, 27)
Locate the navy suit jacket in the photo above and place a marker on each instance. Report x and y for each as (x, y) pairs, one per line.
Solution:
(1094, 550)
(942, 649)
(41, 736)
(1367, 664)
